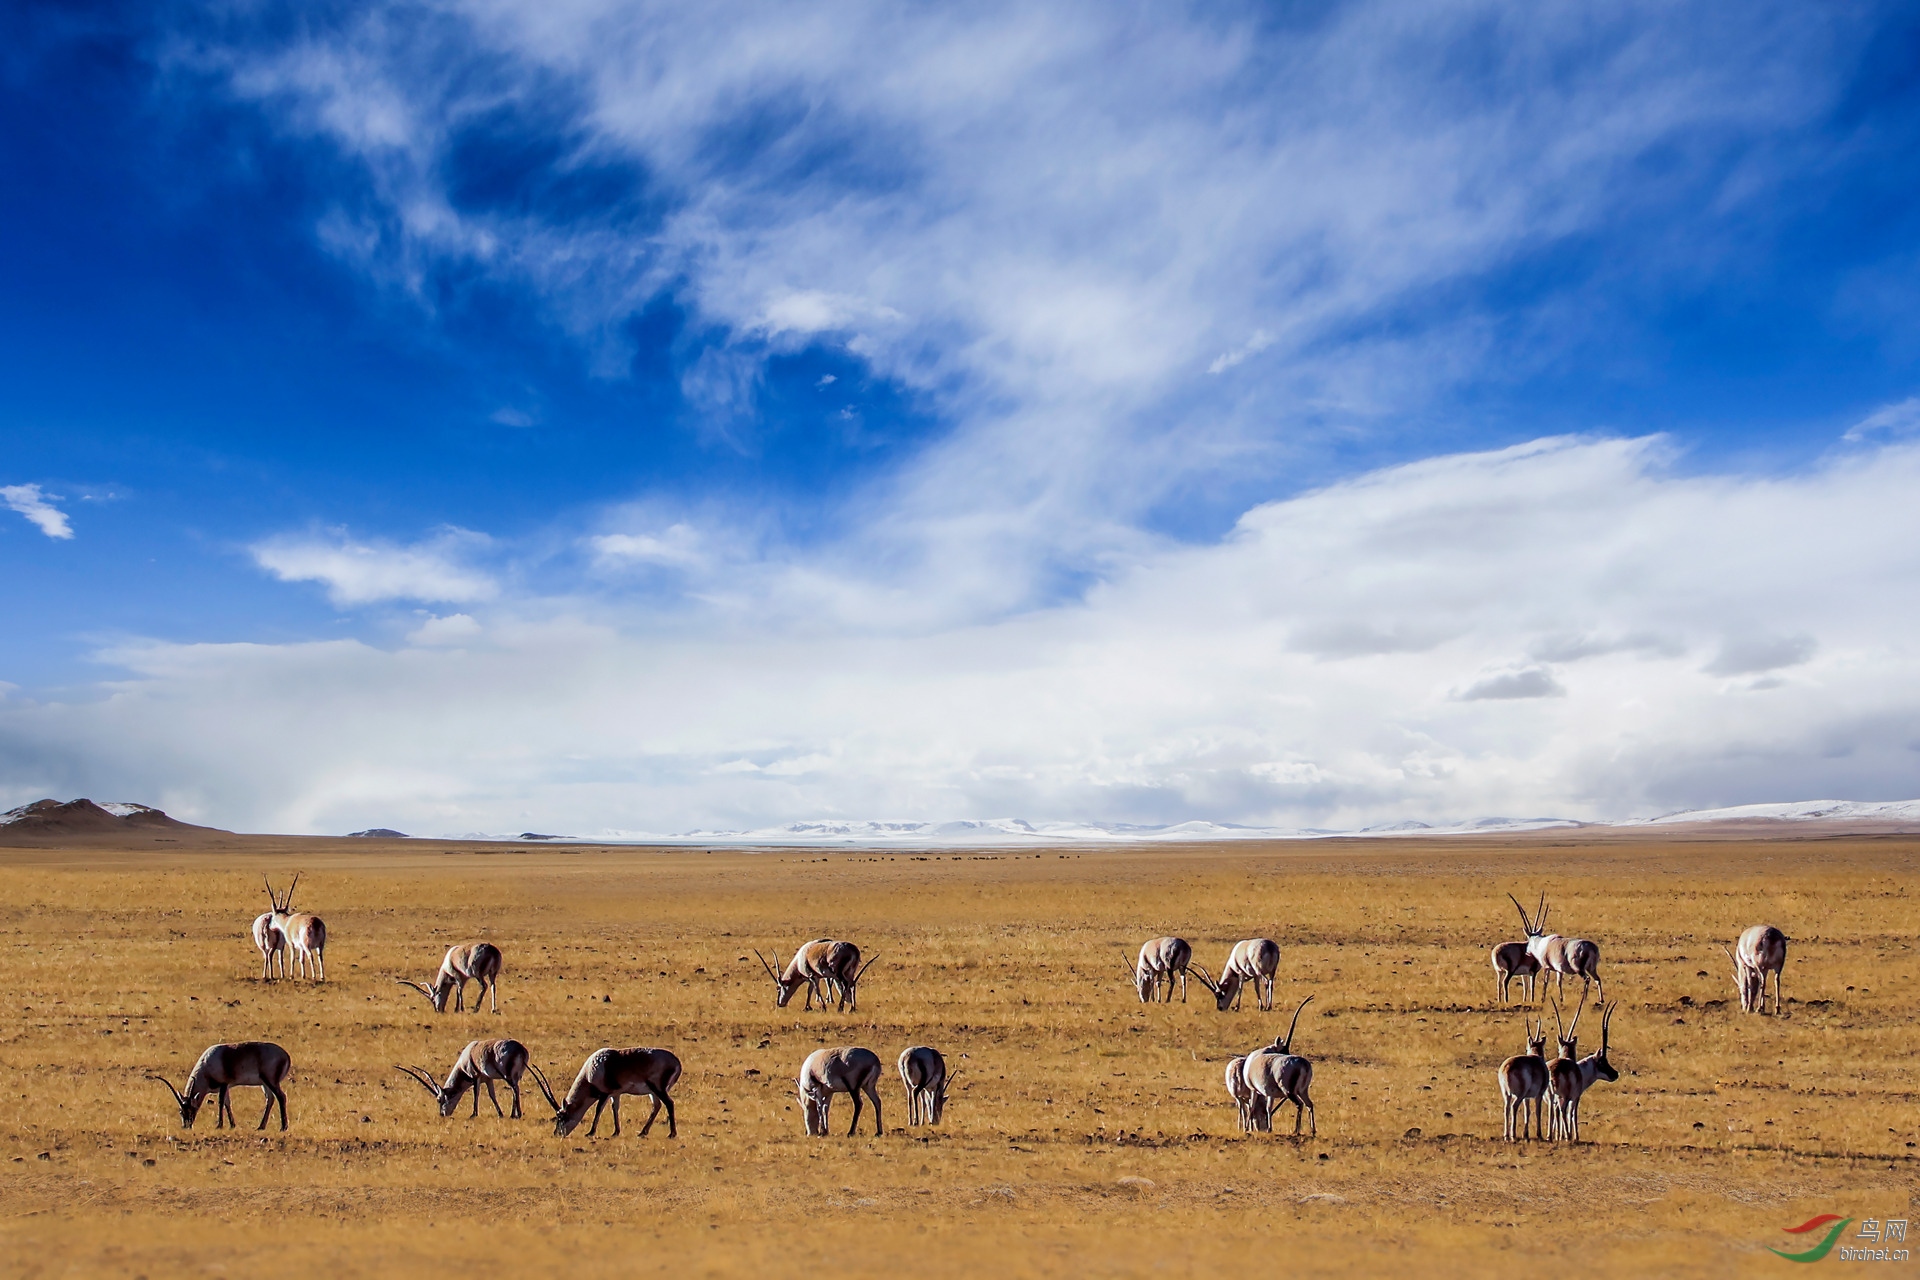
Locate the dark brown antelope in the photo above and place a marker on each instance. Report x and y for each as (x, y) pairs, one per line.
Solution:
(474, 962)
(1253, 961)
(1162, 960)
(223, 1066)
(843, 974)
(613, 1074)
(1568, 1080)
(852, 1071)
(1281, 1076)
(1760, 951)
(482, 1062)
(1523, 1083)
(1512, 960)
(924, 1072)
(1561, 958)
(808, 969)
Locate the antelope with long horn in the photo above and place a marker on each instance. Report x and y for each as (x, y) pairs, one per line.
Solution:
(1252, 961)
(1512, 960)
(1761, 950)
(843, 974)
(808, 969)
(268, 937)
(306, 933)
(924, 1072)
(613, 1074)
(1252, 1107)
(1561, 958)
(1523, 1083)
(1281, 1076)
(222, 1067)
(482, 1062)
(849, 1070)
(1568, 1080)
(475, 962)
(1162, 960)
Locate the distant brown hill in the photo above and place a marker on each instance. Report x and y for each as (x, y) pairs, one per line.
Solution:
(46, 822)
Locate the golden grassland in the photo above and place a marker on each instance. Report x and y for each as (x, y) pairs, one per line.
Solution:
(1087, 1134)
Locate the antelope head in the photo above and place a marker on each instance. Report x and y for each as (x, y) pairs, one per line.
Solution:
(1750, 981)
(1535, 927)
(784, 988)
(940, 1097)
(436, 994)
(1601, 1067)
(189, 1104)
(1285, 1043)
(564, 1121)
(447, 1100)
(1569, 1037)
(1536, 1036)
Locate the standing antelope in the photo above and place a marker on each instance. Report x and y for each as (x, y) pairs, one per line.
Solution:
(1560, 957)
(843, 973)
(475, 962)
(1760, 951)
(851, 1071)
(481, 1063)
(1252, 1106)
(614, 1073)
(268, 937)
(1523, 1083)
(221, 1067)
(1255, 961)
(1161, 960)
(924, 1072)
(305, 933)
(1568, 1079)
(808, 968)
(1512, 960)
(1280, 1076)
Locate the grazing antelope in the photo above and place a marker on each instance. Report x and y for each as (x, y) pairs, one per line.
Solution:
(305, 933)
(1760, 951)
(267, 937)
(924, 1072)
(1255, 961)
(1568, 1079)
(481, 1063)
(614, 1073)
(1252, 1106)
(808, 969)
(1280, 1076)
(1161, 960)
(1512, 960)
(475, 962)
(843, 974)
(1523, 1083)
(1562, 958)
(221, 1067)
(851, 1071)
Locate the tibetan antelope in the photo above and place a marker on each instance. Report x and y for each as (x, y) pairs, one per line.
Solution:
(475, 962)
(851, 1071)
(1760, 951)
(305, 933)
(221, 1067)
(481, 1063)
(268, 937)
(1568, 1079)
(1512, 960)
(843, 974)
(1561, 958)
(1252, 1106)
(1523, 1083)
(924, 1072)
(808, 969)
(1281, 1076)
(1162, 960)
(1254, 961)
(612, 1074)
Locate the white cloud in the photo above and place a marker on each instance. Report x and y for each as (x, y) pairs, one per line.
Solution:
(676, 546)
(1892, 420)
(1525, 682)
(1259, 342)
(365, 572)
(1174, 690)
(38, 508)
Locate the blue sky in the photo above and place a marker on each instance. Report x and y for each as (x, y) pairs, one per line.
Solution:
(839, 341)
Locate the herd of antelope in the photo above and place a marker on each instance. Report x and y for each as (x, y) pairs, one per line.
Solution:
(1540, 1095)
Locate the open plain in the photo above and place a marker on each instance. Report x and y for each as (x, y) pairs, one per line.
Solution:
(1087, 1133)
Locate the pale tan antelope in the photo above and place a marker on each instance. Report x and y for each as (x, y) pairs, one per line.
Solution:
(1512, 960)
(808, 969)
(482, 1062)
(1253, 961)
(1162, 960)
(1561, 958)
(1252, 1107)
(613, 1074)
(1760, 951)
(1568, 1080)
(475, 962)
(849, 1070)
(843, 974)
(223, 1066)
(306, 935)
(924, 1072)
(1523, 1083)
(1281, 1076)
(267, 937)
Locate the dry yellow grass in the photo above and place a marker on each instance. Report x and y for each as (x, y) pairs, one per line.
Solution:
(1722, 1129)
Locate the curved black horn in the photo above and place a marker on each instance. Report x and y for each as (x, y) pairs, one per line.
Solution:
(1524, 922)
(1540, 912)
(270, 895)
(1605, 1019)
(1286, 1046)
(420, 1074)
(1205, 977)
(764, 965)
(170, 1089)
(863, 972)
(1559, 1025)
(1578, 1013)
(288, 904)
(421, 987)
(546, 1090)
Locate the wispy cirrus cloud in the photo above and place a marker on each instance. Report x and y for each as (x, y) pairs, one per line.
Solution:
(358, 572)
(38, 508)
